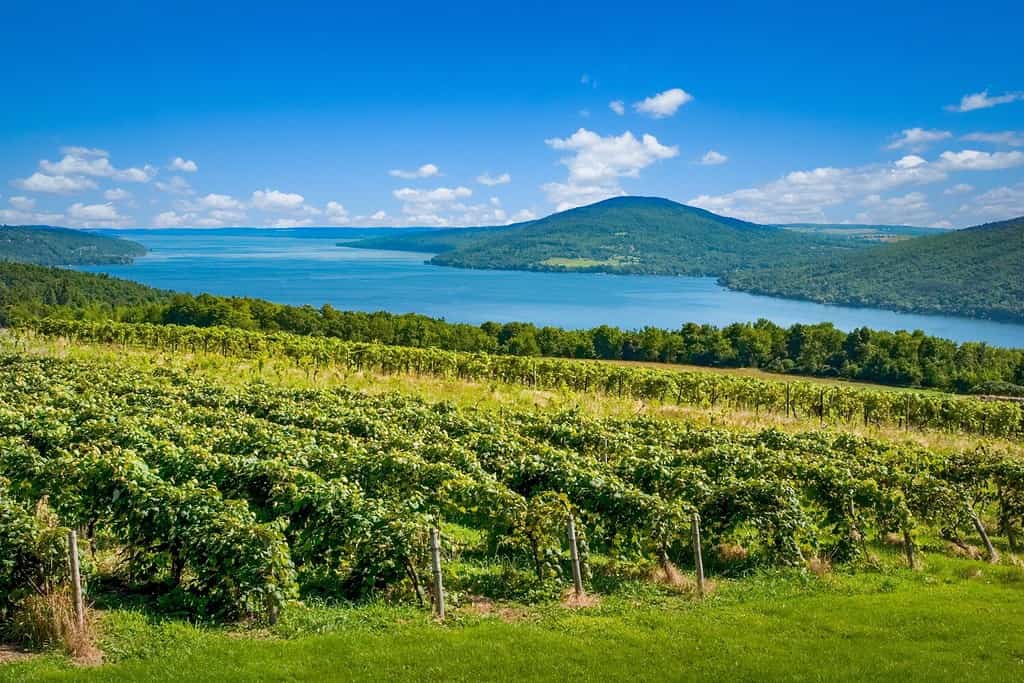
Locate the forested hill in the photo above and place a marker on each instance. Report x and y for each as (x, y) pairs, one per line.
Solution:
(49, 246)
(976, 272)
(645, 235)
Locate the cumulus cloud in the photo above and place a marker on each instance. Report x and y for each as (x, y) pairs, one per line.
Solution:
(982, 100)
(56, 184)
(910, 161)
(440, 194)
(84, 151)
(617, 106)
(116, 194)
(336, 213)
(713, 158)
(95, 214)
(1010, 138)
(275, 200)
(917, 139)
(220, 201)
(664, 103)
(597, 163)
(973, 160)
(424, 171)
(185, 165)
(804, 195)
(909, 209)
(489, 180)
(1002, 202)
(169, 219)
(90, 164)
(176, 185)
(22, 203)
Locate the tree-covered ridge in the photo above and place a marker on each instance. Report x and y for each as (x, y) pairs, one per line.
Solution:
(639, 235)
(64, 247)
(28, 290)
(894, 358)
(977, 272)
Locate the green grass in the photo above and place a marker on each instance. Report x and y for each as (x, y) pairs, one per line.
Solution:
(578, 263)
(955, 620)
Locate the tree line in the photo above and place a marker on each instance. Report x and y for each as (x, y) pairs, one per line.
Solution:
(894, 358)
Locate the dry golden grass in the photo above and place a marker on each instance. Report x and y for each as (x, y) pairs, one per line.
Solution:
(47, 621)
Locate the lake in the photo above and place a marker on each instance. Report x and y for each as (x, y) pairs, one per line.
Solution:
(302, 268)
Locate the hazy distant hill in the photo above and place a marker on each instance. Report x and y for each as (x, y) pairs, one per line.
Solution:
(977, 272)
(866, 233)
(49, 246)
(623, 235)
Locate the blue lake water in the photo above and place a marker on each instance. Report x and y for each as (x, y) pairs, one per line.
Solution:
(313, 270)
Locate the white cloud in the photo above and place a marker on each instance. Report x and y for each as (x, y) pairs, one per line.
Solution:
(440, 194)
(598, 162)
(981, 100)
(186, 165)
(804, 195)
(908, 209)
(176, 185)
(169, 219)
(664, 103)
(522, 215)
(220, 201)
(1010, 138)
(227, 216)
(18, 217)
(22, 203)
(136, 175)
(336, 213)
(917, 139)
(98, 166)
(117, 194)
(85, 151)
(379, 216)
(973, 160)
(424, 171)
(275, 200)
(489, 180)
(58, 184)
(910, 161)
(617, 106)
(713, 158)
(95, 214)
(998, 203)
(960, 188)
(292, 223)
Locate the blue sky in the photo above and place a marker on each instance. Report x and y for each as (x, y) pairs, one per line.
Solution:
(471, 113)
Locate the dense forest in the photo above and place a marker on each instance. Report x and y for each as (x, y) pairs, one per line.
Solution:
(63, 247)
(896, 358)
(978, 272)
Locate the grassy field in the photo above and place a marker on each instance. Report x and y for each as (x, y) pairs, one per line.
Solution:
(956, 619)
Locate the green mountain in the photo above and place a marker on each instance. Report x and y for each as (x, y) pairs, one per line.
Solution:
(49, 246)
(639, 235)
(976, 272)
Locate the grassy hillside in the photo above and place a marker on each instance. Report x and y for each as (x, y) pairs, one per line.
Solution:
(622, 235)
(63, 247)
(977, 272)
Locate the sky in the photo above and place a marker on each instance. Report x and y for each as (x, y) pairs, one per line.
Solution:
(127, 114)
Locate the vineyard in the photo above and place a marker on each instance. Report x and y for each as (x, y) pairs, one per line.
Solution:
(232, 501)
(832, 405)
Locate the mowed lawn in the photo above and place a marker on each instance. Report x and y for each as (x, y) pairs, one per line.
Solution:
(963, 622)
